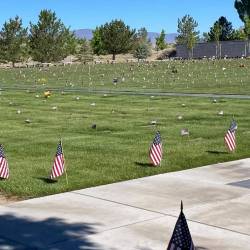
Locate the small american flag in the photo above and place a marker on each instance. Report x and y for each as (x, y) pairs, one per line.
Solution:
(58, 167)
(4, 168)
(181, 238)
(230, 140)
(155, 151)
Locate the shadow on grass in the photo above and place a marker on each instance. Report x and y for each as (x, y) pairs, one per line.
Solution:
(143, 164)
(216, 152)
(46, 180)
(3, 179)
(52, 234)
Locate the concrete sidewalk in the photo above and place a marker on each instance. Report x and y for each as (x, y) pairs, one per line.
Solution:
(138, 214)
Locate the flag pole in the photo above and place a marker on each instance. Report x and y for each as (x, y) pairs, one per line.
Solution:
(66, 175)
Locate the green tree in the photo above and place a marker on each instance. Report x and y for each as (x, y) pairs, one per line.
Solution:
(50, 40)
(217, 29)
(142, 35)
(70, 45)
(142, 51)
(225, 29)
(187, 34)
(204, 37)
(13, 41)
(84, 52)
(243, 8)
(247, 27)
(239, 34)
(247, 32)
(117, 37)
(160, 41)
(96, 42)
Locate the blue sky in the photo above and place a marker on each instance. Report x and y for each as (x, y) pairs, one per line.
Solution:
(152, 14)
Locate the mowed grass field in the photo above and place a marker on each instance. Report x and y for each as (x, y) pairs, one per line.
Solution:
(204, 76)
(118, 148)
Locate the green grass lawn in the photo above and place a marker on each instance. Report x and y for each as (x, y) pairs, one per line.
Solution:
(222, 76)
(118, 149)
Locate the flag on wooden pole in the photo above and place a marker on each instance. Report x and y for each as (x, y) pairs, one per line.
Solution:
(181, 238)
(155, 151)
(4, 168)
(58, 166)
(230, 140)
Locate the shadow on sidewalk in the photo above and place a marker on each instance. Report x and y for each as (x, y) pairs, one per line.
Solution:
(23, 233)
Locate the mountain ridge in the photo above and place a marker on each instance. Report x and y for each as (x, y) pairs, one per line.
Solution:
(87, 34)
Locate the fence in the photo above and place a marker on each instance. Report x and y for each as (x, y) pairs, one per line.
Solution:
(231, 49)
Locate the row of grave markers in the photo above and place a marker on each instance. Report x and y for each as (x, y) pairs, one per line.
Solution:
(155, 153)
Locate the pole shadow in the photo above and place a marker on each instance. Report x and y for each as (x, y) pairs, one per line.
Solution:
(46, 180)
(216, 152)
(143, 164)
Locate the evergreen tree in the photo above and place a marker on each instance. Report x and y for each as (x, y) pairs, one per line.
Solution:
(160, 41)
(239, 34)
(187, 34)
(243, 8)
(217, 34)
(225, 29)
(247, 33)
(84, 52)
(142, 35)
(247, 27)
(204, 37)
(50, 40)
(13, 41)
(142, 51)
(116, 37)
(96, 42)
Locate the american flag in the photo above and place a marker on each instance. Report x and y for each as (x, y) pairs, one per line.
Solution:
(230, 140)
(155, 151)
(181, 238)
(58, 167)
(4, 168)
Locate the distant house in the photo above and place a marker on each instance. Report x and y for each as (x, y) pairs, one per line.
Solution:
(229, 49)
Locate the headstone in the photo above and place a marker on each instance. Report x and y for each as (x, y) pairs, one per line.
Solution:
(179, 117)
(28, 121)
(153, 122)
(221, 112)
(54, 108)
(18, 112)
(115, 80)
(92, 104)
(184, 132)
(93, 126)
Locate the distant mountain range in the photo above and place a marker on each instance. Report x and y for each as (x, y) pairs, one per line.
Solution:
(87, 34)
